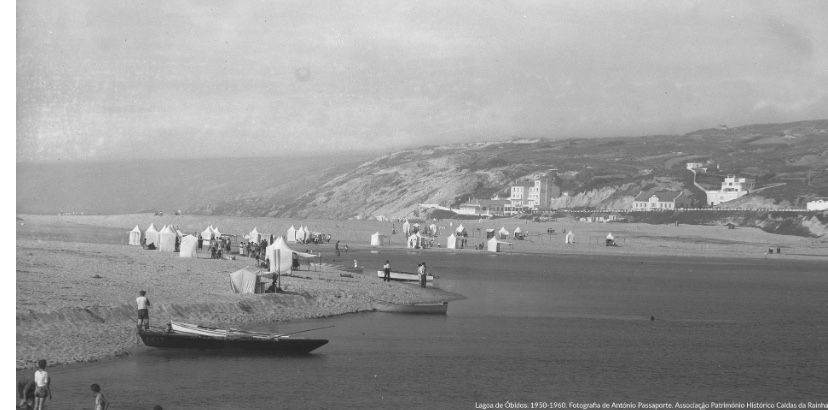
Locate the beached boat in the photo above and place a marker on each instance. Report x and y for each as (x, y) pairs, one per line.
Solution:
(189, 336)
(438, 308)
(405, 276)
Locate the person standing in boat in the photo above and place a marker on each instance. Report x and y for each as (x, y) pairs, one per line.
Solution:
(387, 270)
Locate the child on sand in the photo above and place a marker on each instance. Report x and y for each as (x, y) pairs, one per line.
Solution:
(101, 403)
(43, 385)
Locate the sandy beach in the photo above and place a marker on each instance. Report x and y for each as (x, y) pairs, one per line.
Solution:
(77, 279)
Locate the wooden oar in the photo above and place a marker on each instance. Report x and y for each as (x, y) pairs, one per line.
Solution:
(303, 331)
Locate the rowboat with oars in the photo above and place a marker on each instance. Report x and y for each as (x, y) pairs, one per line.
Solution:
(190, 336)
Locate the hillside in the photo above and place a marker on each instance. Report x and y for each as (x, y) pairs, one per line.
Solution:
(596, 173)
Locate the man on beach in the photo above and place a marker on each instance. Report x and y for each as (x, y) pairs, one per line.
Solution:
(143, 310)
(387, 270)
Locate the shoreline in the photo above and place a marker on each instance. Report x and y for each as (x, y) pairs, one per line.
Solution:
(76, 278)
(74, 302)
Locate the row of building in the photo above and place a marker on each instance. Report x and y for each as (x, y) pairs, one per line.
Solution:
(537, 192)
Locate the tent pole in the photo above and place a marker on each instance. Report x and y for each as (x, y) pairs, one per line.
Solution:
(279, 268)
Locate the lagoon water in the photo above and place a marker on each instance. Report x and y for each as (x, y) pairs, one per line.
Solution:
(533, 328)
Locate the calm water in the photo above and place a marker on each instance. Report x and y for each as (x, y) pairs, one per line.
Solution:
(533, 328)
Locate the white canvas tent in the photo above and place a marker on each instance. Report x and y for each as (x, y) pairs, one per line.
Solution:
(216, 232)
(493, 245)
(280, 256)
(151, 235)
(451, 242)
(518, 232)
(432, 229)
(254, 235)
(187, 248)
(460, 230)
(167, 239)
(243, 281)
(415, 240)
(503, 233)
(206, 235)
(135, 236)
(291, 234)
(378, 239)
(570, 237)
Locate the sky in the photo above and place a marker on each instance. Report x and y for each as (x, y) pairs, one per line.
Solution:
(131, 79)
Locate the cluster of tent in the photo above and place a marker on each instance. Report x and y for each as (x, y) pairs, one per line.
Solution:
(280, 256)
(301, 235)
(409, 229)
(165, 239)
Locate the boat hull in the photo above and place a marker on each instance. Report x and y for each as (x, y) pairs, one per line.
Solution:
(278, 346)
(414, 308)
(412, 277)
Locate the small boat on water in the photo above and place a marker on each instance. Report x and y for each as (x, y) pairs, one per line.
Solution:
(190, 336)
(438, 308)
(414, 277)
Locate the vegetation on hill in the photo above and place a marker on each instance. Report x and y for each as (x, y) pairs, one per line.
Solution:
(595, 173)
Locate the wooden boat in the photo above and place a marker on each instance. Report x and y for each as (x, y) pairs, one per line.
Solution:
(414, 277)
(189, 336)
(438, 308)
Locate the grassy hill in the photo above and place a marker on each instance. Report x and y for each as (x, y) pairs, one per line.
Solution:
(596, 173)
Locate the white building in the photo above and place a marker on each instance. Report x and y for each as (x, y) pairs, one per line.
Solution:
(533, 194)
(733, 187)
(819, 204)
(663, 200)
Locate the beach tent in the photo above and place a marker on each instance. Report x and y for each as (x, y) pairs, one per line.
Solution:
(406, 227)
(291, 234)
(432, 229)
(490, 233)
(570, 237)
(243, 281)
(518, 232)
(151, 235)
(503, 233)
(206, 235)
(461, 230)
(135, 236)
(300, 234)
(415, 240)
(167, 239)
(254, 235)
(216, 233)
(280, 256)
(493, 245)
(378, 239)
(451, 242)
(187, 248)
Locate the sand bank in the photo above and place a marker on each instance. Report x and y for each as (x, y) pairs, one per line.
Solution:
(75, 300)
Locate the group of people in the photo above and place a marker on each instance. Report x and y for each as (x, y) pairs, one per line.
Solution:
(32, 394)
(336, 248)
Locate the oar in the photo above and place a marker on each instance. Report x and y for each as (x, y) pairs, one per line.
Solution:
(302, 331)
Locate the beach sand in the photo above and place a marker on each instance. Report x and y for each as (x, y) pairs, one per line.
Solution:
(77, 280)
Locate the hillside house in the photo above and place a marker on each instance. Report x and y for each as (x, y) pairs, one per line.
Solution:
(486, 207)
(818, 204)
(732, 188)
(658, 201)
(533, 194)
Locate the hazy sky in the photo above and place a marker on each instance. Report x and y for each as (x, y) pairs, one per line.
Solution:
(113, 79)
